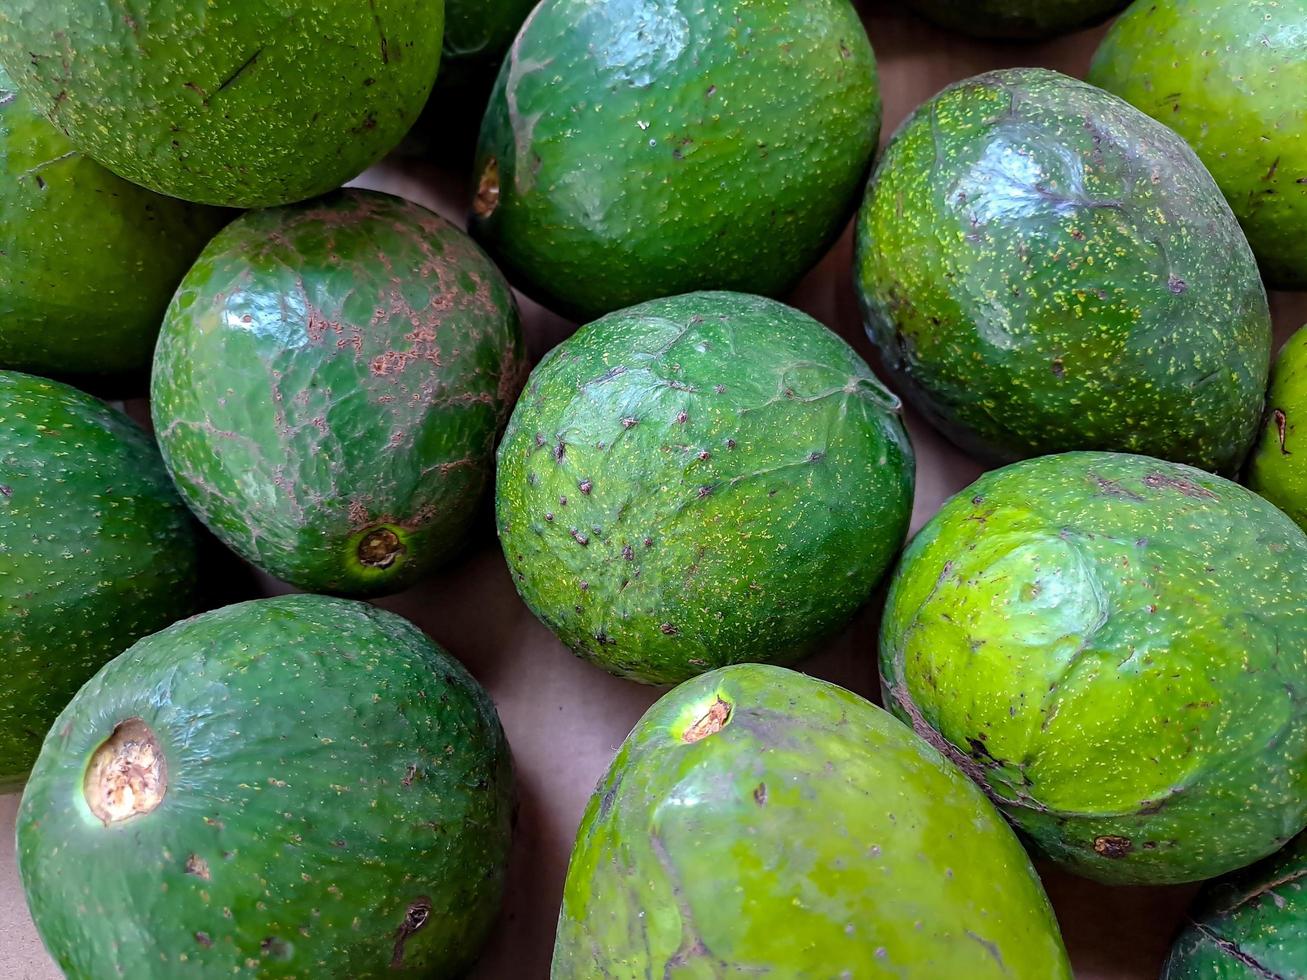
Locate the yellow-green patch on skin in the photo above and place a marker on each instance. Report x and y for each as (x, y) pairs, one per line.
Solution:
(1044, 268)
(1228, 76)
(1114, 647)
(1278, 467)
(811, 836)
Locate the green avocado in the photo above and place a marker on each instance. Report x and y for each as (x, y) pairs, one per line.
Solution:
(1016, 18)
(678, 476)
(1112, 647)
(1045, 268)
(291, 787)
(1249, 926)
(1228, 76)
(96, 551)
(761, 822)
(89, 260)
(329, 385)
(634, 149)
(1277, 468)
(243, 103)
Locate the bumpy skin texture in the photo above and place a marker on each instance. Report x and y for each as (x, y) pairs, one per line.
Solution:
(1250, 926)
(89, 260)
(334, 370)
(1278, 467)
(245, 103)
(96, 550)
(812, 836)
(1016, 18)
(1113, 646)
(329, 770)
(1228, 76)
(1045, 268)
(677, 476)
(642, 148)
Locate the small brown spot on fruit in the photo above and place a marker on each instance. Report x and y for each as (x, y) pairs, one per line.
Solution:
(682, 417)
(585, 486)
(416, 916)
(628, 552)
(1059, 369)
(197, 866)
(380, 548)
(710, 723)
(669, 629)
(128, 775)
(203, 939)
(1111, 846)
(760, 794)
(1176, 284)
(1281, 429)
(628, 422)
(487, 199)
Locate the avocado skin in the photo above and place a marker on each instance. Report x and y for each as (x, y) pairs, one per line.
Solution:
(96, 550)
(1228, 76)
(1044, 268)
(677, 476)
(331, 368)
(812, 837)
(327, 763)
(1112, 646)
(1017, 19)
(1249, 926)
(242, 103)
(646, 148)
(1277, 468)
(90, 260)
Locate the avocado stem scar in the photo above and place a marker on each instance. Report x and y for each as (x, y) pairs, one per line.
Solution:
(380, 548)
(127, 775)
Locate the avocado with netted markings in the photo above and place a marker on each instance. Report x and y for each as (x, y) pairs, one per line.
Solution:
(698, 481)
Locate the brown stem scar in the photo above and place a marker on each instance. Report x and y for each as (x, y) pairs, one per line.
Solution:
(380, 548)
(127, 775)
(712, 722)
(487, 199)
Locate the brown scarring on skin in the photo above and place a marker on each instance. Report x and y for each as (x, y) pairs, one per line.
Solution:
(712, 722)
(1111, 846)
(1281, 427)
(380, 548)
(415, 917)
(487, 197)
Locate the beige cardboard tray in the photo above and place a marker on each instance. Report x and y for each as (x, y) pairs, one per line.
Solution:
(566, 719)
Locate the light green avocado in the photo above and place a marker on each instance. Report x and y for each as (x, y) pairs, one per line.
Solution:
(1228, 76)
(88, 261)
(1278, 466)
(758, 822)
(1113, 647)
(245, 103)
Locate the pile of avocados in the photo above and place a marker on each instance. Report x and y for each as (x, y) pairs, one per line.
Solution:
(1092, 658)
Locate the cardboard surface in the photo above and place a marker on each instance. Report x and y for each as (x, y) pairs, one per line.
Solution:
(566, 719)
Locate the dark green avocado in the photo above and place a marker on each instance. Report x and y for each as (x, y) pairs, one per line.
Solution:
(1249, 926)
(293, 787)
(1025, 19)
(699, 481)
(1112, 646)
(1277, 468)
(633, 150)
(245, 103)
(1045, 268)
(759, 822)
(329, 385)
(96, 550)
(88, 261)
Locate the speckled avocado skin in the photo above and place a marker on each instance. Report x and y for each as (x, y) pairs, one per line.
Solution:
(1045, 268)
(1249, 926)
(333, 374)
(1278, 466)
(1228, 76)
(642, 148)
(96, 551)
(1113, 647)
(678, 476)
(1016, 18)
(89, 260)
(329, 771)
(244, 103)
(811, 836)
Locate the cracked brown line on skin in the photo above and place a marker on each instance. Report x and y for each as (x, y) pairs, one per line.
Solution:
(1232, 949)
(1266, 888)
